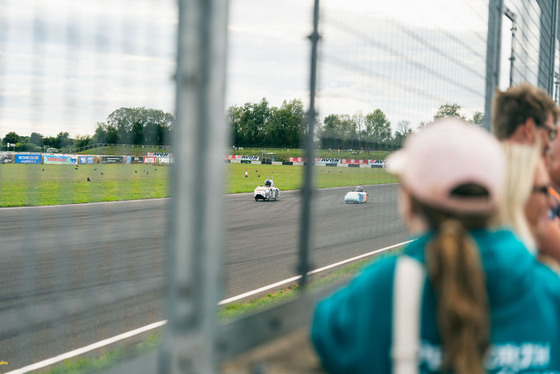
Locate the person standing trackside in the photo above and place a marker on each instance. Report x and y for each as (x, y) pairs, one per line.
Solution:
(525, 114)
(463, 297)
(553, 169)
(554, 173)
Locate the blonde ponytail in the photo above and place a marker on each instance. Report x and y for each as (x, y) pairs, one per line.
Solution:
(455, 270)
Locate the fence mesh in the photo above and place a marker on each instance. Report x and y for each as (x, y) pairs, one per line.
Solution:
(74, 275)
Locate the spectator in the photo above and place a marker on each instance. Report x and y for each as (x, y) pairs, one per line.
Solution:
(553, 167)
(524, 114)
(463, 298)
(554, 173)
(527, 115)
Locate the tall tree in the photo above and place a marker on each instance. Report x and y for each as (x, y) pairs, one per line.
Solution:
(360, 121)
(339, 131)
(112, 134)
(378, 127)
(52, 142)
(82, 141)
(36, 139)
(477, 118)
(250, 123)
(63, 139)
(137, 133)
(100, 135)
(449, 110)
(286, 124)
(11, 137)
(404, 128)
(131, 124)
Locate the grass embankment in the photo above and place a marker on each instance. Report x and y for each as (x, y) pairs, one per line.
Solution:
(280, 154)
(283, 154)
(125, 150)
(26, 185)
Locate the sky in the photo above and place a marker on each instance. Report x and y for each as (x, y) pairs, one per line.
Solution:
(65, 65)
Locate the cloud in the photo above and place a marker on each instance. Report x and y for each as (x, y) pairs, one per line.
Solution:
(68, 65)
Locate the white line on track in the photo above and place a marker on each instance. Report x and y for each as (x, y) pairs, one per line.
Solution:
(82, 204)
(129, 334)
(91, 347)
(292, 279)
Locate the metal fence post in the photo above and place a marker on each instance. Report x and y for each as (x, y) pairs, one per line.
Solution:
(307, 189)
(493, 45)
(552, 57)
(196, 223)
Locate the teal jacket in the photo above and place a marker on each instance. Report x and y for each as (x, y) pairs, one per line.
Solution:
(351, 330)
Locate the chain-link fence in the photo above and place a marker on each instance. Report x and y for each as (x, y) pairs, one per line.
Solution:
(149, 276)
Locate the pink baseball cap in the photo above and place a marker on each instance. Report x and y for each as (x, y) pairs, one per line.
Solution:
(446, 154)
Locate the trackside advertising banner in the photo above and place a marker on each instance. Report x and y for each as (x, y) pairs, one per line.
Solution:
(327, 161)
(6, 158)
(376, 163)
(86, 159)
(59, 159)
(111, 159)
(150, 160)
(353, 162)
(341, 162)
(28, 159)
(242, 157)
(136, 160)
(296, 159)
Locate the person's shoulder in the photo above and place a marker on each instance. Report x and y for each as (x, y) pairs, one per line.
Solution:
(498, 238)
(496, 234)
(548, 275)
(546, 284)
(381, 269)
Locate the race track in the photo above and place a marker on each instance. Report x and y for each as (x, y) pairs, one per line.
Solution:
(73, 275)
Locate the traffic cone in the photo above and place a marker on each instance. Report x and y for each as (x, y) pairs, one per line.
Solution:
(246, 173)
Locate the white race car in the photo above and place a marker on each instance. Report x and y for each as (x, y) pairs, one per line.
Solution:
(358, 196)
(267, 192)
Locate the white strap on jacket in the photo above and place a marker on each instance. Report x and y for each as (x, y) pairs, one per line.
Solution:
(407, 299)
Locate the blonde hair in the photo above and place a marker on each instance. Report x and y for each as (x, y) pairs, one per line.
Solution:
(521, 165)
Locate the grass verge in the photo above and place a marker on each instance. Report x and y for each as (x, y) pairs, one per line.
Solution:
(27, 185)
(284, 154)
(24, 185)
(290, 177)
(108, 360)
(226, 313)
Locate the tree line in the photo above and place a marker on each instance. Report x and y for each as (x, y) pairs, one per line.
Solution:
(123, 126)
(251, 125)
(262, 125)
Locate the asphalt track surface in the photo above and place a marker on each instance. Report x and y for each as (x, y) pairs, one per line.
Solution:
(74, 275)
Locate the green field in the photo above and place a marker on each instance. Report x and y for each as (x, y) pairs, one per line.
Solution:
(288, 177)
(25, 185)
(22, 185)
